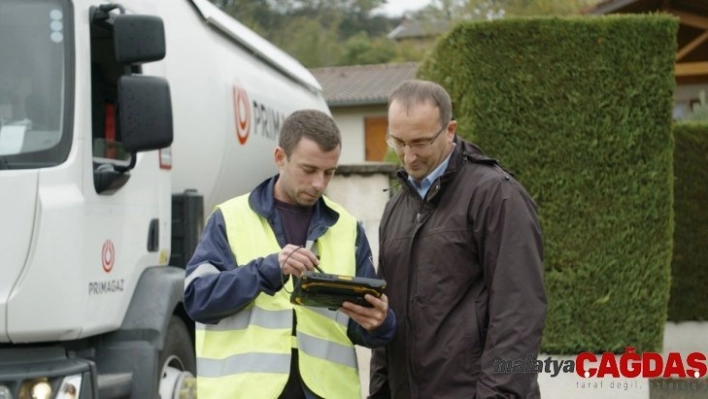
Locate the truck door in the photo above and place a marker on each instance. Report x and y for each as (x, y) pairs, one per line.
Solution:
(127, 192)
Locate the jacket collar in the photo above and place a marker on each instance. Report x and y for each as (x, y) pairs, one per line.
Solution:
(463, 152)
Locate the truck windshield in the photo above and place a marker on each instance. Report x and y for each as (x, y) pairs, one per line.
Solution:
(36, 45)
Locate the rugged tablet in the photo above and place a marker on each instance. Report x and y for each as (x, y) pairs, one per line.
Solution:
(325, 290)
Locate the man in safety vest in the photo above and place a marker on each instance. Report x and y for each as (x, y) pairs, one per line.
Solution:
(250, 341)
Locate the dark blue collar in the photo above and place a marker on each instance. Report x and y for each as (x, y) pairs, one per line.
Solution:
(262, 201)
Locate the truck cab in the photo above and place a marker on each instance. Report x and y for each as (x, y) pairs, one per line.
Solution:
(122, 125)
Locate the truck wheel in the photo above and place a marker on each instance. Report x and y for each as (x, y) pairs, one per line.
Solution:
(177, 363)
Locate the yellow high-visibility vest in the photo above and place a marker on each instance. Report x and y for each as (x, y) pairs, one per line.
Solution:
(247, 355)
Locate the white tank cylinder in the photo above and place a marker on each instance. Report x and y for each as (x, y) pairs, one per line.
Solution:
(228, 104)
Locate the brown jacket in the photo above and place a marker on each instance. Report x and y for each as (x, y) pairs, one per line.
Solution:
(465, 279)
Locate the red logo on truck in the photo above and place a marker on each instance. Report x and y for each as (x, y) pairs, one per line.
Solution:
(108, 256)
(242, 113)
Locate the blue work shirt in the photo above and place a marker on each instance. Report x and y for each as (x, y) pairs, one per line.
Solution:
(425, 184)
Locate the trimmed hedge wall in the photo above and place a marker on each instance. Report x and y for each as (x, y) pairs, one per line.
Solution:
(580, 110)
(689, 272)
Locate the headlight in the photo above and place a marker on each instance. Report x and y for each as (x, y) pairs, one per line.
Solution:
(5, 392)
(36, 389)
(70, 387)
(41, 390)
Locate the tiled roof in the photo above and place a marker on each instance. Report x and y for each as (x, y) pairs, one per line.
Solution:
(410, 29)
(606, 6)
(362, 84)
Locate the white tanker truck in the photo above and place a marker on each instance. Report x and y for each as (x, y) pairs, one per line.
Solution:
(121, 126)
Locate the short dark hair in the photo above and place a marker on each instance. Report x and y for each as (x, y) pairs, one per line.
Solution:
(417, 91)
(313, 124)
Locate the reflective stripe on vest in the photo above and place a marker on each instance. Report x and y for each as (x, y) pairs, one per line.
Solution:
(248, 353)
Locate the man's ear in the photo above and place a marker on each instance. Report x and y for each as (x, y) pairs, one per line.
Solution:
(279, 157)
(451, 129)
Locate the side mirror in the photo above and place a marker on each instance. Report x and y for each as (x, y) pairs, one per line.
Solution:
(138, 38)
(144, 120)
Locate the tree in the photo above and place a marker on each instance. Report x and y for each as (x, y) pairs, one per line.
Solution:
(310, 41)
(492, 9)
(406, 52)
(545, 7)
(361, 49)
(321, 32)
(256, 14)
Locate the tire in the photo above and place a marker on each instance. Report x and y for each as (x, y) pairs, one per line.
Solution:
(177, 353)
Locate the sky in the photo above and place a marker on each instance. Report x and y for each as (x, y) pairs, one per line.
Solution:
(395, 8)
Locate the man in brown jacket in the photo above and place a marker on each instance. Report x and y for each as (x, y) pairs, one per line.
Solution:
(461, 249)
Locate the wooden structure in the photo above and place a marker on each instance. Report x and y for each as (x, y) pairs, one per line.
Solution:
(692, 39)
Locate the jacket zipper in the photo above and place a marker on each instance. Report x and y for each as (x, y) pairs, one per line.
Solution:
(411, 325)
(410, 192)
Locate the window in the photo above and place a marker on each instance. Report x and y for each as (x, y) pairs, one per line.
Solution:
(36, 85)
(375, 138)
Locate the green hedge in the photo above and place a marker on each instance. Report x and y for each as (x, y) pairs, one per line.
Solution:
(689, 272)
(580, 110)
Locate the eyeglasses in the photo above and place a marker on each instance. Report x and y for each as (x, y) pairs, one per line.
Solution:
(415, 145)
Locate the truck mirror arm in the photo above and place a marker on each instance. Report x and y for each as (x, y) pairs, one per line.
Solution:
(102, 12)
(131, 165)
(108, 177)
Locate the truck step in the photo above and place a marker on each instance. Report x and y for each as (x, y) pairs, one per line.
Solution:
(115, 386)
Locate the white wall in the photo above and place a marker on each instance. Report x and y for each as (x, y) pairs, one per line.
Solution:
(351, 123)
(363, 196)
(359, 188)
(683, 95)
